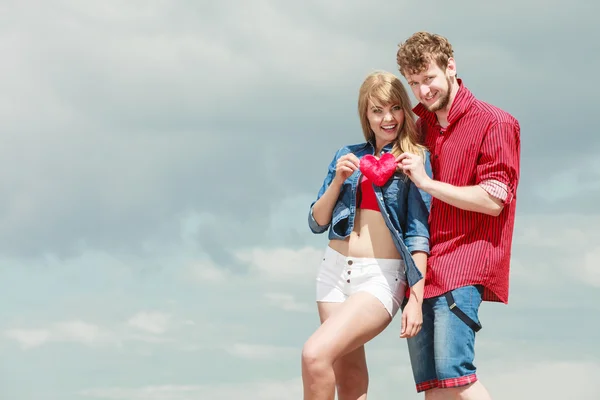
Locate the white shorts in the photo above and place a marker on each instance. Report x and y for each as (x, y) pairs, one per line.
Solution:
(339, 277)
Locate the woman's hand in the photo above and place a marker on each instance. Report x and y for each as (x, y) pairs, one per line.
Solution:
(412, 318)
(345, 167)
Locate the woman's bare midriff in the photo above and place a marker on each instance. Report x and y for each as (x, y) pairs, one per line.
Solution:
(369, 238)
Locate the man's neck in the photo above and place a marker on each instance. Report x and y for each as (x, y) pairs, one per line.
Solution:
(442, 115)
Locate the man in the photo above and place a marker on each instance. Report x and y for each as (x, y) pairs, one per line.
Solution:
(475, 150)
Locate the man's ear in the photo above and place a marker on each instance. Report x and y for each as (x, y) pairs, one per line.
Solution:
(451, 67)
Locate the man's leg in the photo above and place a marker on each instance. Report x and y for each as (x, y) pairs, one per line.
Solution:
(454, 344)
(473, 391)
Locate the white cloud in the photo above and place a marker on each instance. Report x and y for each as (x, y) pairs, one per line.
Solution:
(81, 332)
(287, 302)
(283, 264)
(260, 352)
(265, 390)
(548, 381)
(590, 271)
(70, 331)
(147, 327)
(28, 338)
(152, 322)
(207, 272)
(549, 249)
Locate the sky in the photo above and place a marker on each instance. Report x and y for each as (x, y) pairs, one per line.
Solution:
(158, 159)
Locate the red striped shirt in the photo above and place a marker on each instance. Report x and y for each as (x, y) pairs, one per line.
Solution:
(480, 146)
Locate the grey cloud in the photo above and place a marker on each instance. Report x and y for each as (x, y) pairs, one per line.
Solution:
(119, 117)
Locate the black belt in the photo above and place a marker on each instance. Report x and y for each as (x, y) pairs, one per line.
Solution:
(476, 326)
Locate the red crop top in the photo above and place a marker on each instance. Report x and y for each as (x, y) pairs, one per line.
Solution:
(367, 199)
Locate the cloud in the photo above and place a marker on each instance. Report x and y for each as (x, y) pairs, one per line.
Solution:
(590, 272)
(155, 104)
(71, 331)
(549, 249)
(151, 322)
(146, 326)
(260, 352)
(287, 302)
(548, 381)
(283, 264)
(262, 390)
(28, 338)
(207, 272)
(178, 138)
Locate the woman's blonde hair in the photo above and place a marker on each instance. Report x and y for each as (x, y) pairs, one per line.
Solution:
(386, 89)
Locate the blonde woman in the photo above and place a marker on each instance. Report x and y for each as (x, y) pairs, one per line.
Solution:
(379, 242)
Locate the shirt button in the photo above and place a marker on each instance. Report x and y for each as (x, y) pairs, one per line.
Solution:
(349, 262)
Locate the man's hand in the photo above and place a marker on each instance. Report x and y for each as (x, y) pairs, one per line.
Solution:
(412, 165)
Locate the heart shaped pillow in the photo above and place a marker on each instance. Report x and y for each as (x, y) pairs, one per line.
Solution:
(378, 171)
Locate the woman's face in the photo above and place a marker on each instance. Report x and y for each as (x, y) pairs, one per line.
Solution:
(385, 121)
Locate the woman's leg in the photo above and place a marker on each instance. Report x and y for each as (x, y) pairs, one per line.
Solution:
(351, 324)
(351, 374)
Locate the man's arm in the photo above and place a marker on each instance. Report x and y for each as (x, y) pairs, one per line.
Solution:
(470, 198)
(497, 174)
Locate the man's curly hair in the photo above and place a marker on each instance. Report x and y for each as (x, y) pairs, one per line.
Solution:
(415, 54)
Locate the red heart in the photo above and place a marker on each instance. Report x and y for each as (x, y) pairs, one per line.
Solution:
(378, 171)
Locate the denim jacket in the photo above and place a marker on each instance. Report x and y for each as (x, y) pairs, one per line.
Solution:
(405, 209)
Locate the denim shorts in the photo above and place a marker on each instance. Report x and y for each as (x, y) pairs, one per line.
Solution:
(442, 353)
(339, 277)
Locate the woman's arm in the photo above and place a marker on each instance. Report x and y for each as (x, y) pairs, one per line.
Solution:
(321, 210)
(412, 315)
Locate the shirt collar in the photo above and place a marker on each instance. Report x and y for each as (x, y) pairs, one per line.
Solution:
(461, 104)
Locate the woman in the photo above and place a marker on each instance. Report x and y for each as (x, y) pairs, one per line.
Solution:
(379, 240)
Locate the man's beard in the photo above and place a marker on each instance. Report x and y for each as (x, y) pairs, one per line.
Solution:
(444, 100)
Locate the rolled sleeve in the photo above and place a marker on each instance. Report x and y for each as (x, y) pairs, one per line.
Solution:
(498, 165)
(416, 236)
(417, 243)
(312, 223)
(496, 189)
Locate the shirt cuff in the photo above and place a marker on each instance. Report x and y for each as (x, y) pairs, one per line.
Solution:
(495, 188)
(417, 243)
(314, 225)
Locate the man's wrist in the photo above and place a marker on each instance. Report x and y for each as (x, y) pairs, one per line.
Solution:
(427, 184)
